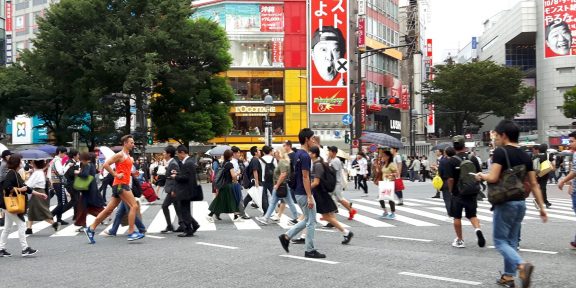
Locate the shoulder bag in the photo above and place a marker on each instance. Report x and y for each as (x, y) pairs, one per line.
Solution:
(15, 200)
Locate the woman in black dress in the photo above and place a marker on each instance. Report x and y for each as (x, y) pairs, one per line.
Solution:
(224, 201)
(324, 203)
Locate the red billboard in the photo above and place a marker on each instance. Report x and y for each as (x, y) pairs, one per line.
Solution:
(429, 47)
(328, 65)
(361, 32)
(363, 104)
(8, 9)
(271, 18)
(559, 28)
(404, 98)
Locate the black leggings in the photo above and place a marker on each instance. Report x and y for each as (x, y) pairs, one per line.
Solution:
(362, 183)
(392, 205)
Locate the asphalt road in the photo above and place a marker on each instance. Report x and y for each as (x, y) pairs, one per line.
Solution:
(249, 255)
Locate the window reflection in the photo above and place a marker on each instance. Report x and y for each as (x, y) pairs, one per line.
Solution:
(251, 89)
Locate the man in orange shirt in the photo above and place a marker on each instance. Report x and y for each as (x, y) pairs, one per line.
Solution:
(121, 190)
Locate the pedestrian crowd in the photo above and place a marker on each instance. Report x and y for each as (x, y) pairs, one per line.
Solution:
(312, 178)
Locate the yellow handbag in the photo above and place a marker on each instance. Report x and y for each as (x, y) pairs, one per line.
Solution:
(15, 201)
(437, 182)
(545, 168)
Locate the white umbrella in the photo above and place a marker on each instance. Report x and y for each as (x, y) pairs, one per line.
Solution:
(218, 150)
(108, 153)
(2, 148)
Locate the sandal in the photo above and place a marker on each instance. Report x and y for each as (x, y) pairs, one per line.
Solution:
(525, 274)
(505, 282)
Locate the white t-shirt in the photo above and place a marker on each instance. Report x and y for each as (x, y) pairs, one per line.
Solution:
(363, 164)
(37, 180)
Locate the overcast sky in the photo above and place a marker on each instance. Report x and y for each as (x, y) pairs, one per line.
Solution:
(453, 23)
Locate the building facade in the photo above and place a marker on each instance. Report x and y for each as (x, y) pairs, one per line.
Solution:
(3, 45)
(518, 38)
(268, 47)
(25, 26)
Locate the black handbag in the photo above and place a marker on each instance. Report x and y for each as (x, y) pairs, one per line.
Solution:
(282, 191)
(197, 194)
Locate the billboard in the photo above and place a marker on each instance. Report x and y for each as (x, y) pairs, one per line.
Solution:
(559, 28)
(245, 18)
(25, 130)
(8, 11)
(328, 62)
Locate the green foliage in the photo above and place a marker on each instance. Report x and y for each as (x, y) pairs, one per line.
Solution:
(569, 106)
(471, 92)
(88, 50)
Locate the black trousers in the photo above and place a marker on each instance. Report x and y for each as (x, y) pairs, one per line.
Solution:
(362, 183)
(543, 182)
(184, 211)
(106, 181)
(169, 200)
(62, 201)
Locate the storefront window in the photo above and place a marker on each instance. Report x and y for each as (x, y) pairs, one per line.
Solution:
(251, 88)
(253, 52)
(251, 122)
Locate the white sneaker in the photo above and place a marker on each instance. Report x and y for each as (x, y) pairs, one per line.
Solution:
(275, 218)
(458, 243)
(262, 220)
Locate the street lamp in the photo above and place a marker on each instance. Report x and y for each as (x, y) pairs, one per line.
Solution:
(268, 102)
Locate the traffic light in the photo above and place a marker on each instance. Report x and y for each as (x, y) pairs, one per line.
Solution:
(389, 101)
(150, 141)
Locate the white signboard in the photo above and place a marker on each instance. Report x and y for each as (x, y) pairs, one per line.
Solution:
(22, 130)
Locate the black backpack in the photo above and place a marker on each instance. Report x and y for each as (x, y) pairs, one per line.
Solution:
(269, 171)
(291, 181)
(467, 184)
(247, 177)
(328, 179)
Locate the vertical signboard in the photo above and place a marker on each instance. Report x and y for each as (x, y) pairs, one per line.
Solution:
(8, 10)
(429, 48)
(328, 63)
(431, 119)
(363, 104)
(559, 28)
(404, 98)
(9, 29)
(361, 32)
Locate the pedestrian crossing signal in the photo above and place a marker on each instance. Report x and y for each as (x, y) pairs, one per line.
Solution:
(389, 101)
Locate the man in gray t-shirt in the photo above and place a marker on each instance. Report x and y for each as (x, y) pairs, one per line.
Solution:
(335, 163)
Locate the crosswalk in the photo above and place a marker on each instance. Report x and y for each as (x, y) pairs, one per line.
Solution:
(427, 212)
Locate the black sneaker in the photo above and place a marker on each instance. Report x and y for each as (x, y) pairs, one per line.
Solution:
(28, 231)
(245, 217)
(62, 222)
(314, 254)
(481, 239)
(329, 225)
(284, 241)
(293, 222)
(169, 229)
(298, 241)
(28, 252)
(56, 226)
(506, 283)
(1, 222)
(4, 253)
(347, 238)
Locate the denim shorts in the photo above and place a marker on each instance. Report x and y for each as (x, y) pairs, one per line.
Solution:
(118, 189)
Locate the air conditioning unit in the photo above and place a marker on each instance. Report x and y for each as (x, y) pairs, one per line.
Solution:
(404, 140)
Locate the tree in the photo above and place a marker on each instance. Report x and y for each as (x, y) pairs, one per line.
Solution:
(468, 93)
(569, 106)
(92, 59)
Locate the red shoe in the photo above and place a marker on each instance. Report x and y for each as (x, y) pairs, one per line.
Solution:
(351, 214)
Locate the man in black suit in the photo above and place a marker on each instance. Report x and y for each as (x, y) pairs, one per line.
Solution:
(172, 167)
(186, 190)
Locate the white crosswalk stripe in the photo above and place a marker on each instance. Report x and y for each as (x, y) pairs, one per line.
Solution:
(415, 212)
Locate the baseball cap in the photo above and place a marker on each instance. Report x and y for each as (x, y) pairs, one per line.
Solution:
(459, 139)
(6, 153)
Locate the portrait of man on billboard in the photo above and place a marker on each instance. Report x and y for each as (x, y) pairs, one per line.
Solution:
(328, 47)
(558, 38)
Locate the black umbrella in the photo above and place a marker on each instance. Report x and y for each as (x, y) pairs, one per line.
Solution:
(381, 139)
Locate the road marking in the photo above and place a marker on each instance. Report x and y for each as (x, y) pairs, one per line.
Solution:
(217, 245)
(326, 230)
(550, 213)
(244, 224)
(323, 223)
(121, 229)
(155, 237)
(404, 238)
(365, 220)
(310, 259)
(532, 250)
(400, 218)
(483, 218)
(200, 211)
(159, 222)
(441, 278)
(40, 225)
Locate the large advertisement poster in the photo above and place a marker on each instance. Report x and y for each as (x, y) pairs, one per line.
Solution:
(328, 40)
(559, 28)
(245, 18)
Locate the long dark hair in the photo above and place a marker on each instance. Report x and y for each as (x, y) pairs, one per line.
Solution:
(387, 162)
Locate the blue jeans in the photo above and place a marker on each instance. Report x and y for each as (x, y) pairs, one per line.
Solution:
(275, 200)
(309, 222)
(507, 223)
(574, 204)
(123, 209)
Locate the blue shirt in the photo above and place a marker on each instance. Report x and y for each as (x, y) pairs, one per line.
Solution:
(303, 163)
